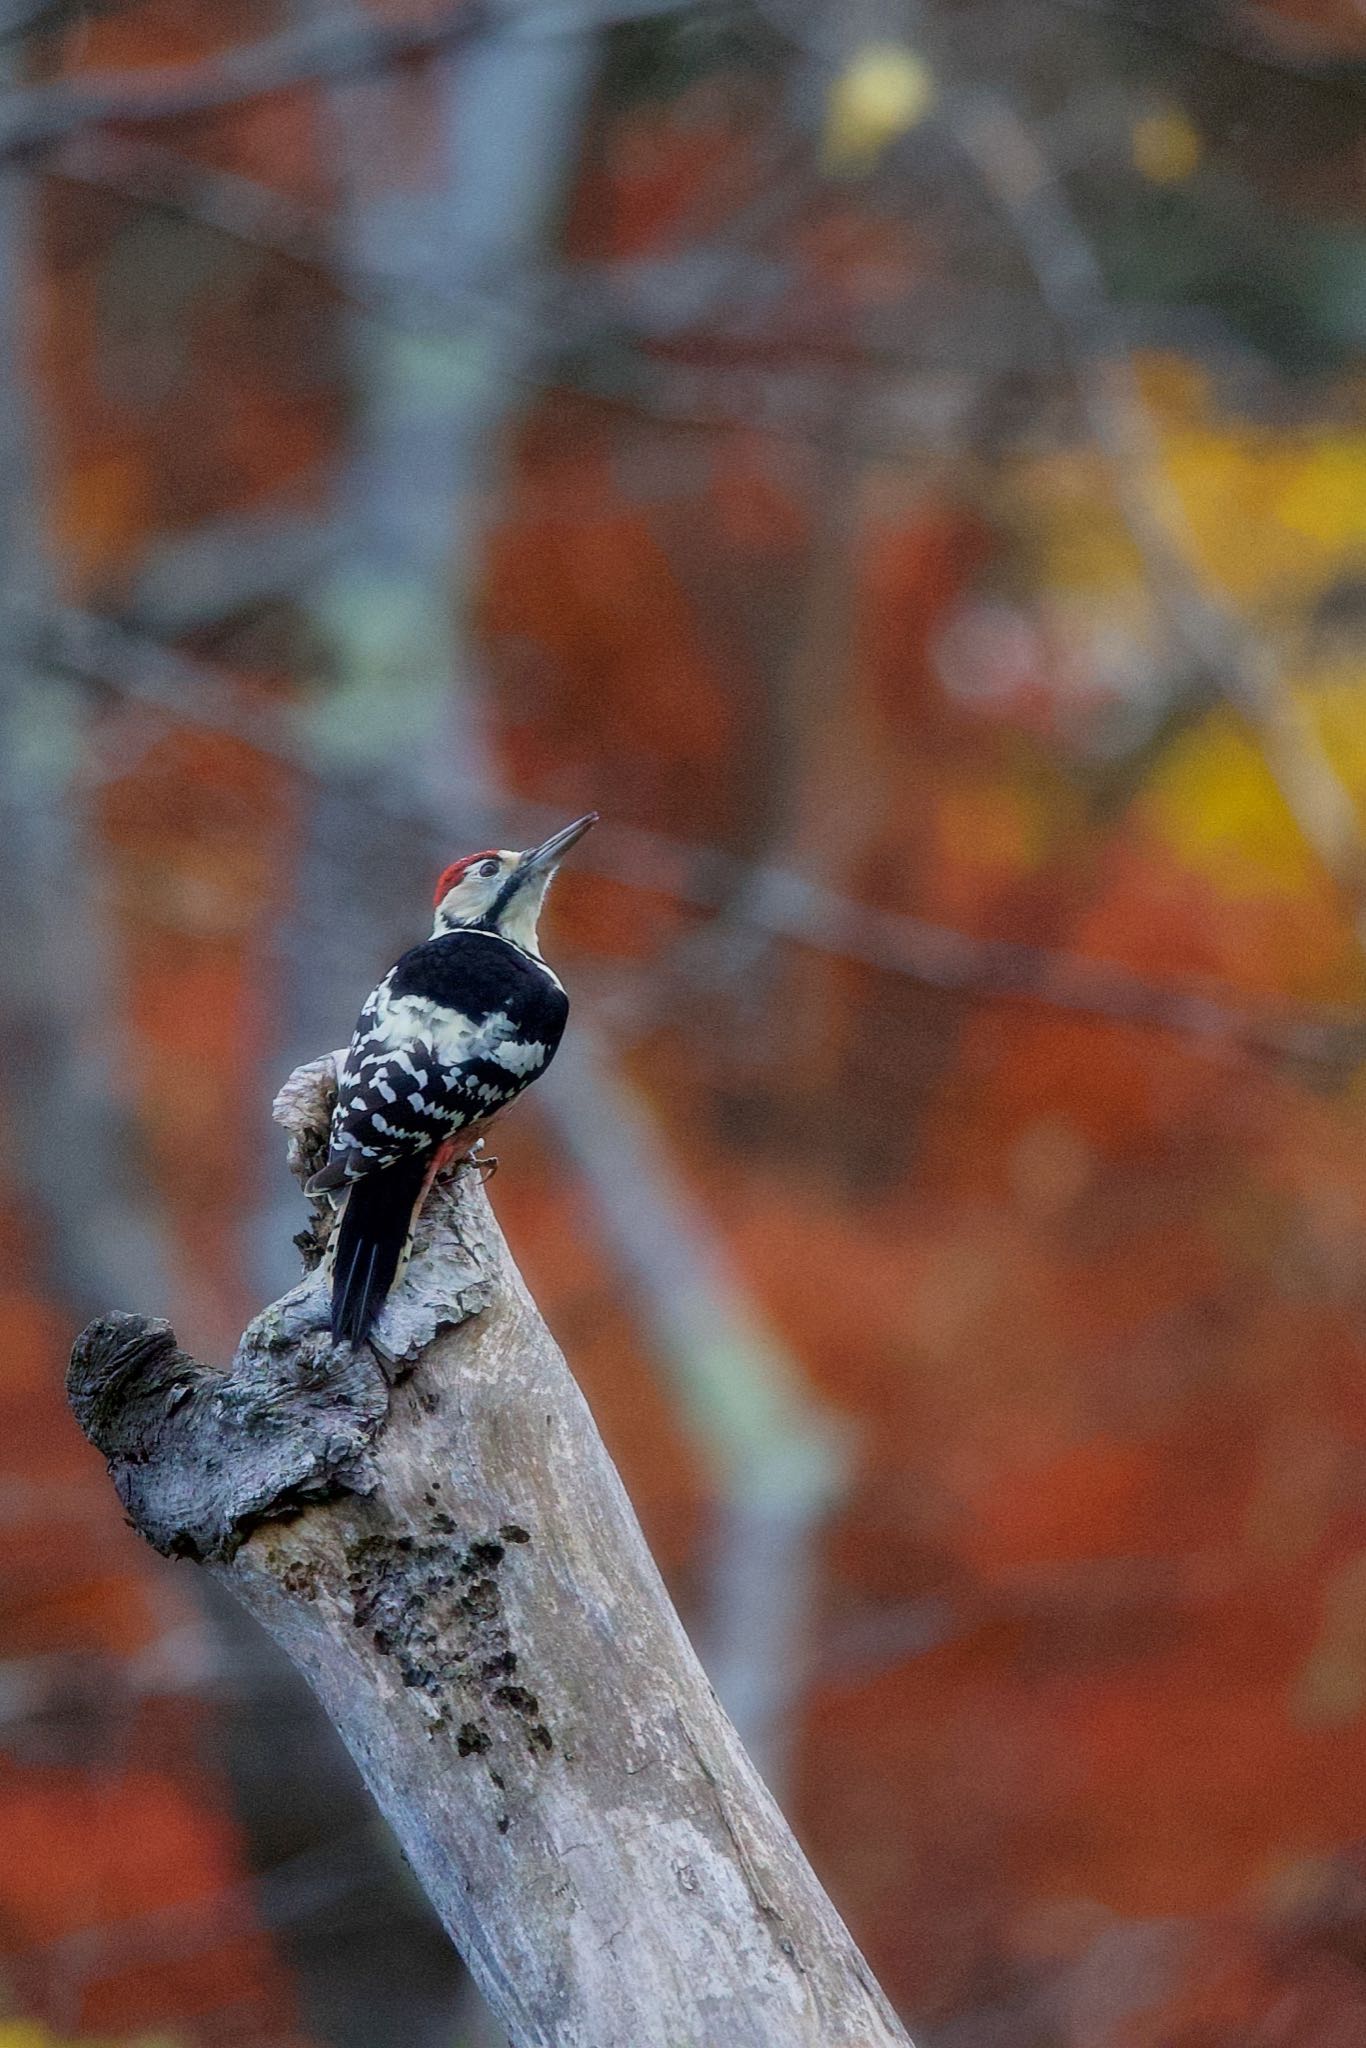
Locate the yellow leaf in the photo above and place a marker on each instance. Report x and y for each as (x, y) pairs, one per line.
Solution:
(1215, 802)
(882, 91)
(1324, 495)
(1273, 515)
(1166, 146)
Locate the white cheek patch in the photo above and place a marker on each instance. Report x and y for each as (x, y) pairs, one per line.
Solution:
(473, 896)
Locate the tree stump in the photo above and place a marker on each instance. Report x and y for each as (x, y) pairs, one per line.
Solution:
(432, 1529)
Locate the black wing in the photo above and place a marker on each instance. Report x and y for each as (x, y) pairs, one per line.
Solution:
(457, 1029)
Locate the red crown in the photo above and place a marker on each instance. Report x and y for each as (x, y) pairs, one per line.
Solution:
(451, 875)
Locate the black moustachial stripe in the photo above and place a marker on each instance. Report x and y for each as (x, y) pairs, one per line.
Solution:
(497, 910)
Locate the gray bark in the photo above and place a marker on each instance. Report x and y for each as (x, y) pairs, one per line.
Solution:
(436, 1535)
(409, 693)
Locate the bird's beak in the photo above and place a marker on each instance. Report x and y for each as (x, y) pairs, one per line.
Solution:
(539, 860)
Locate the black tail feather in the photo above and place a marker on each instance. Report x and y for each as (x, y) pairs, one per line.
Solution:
(370, 1239)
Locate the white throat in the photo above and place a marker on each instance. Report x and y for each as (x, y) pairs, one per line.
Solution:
(517, 924)
(518, 921)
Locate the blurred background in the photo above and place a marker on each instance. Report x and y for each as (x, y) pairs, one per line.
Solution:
(904, 465)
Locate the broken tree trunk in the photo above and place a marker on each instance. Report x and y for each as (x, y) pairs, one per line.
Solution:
(436, 1535)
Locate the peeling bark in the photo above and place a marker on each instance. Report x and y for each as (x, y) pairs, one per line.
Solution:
(434, 1532)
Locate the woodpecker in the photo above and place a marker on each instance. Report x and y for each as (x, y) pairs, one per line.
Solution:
(459, 1026)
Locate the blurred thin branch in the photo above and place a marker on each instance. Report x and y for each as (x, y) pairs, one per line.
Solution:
(652, 336)
(1167, 24)
(985, 128)
(769, 1449)
(306, 53)
(980, 124)
(36, 116)
(581, 328)
(108, 656)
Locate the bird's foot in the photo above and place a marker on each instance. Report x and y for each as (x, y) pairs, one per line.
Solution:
(475, 1159)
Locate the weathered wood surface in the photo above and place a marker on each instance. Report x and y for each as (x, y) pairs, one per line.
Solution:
(441, 1543)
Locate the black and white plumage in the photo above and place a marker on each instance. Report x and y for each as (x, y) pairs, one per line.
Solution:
(457, 1028)
(453, 1032)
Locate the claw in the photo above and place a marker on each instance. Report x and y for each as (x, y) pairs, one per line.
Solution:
(485, 1168)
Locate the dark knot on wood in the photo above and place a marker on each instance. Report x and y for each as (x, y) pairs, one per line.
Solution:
(200, 1455)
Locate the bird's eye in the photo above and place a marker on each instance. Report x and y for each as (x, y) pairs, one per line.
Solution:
(488, 867)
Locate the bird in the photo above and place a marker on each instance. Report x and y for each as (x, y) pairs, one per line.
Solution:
(458, 1027)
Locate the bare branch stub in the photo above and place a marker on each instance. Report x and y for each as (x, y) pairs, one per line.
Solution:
(437, 1537)
(201, 1456)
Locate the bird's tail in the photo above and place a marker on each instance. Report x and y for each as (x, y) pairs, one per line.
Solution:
(370, 1242)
